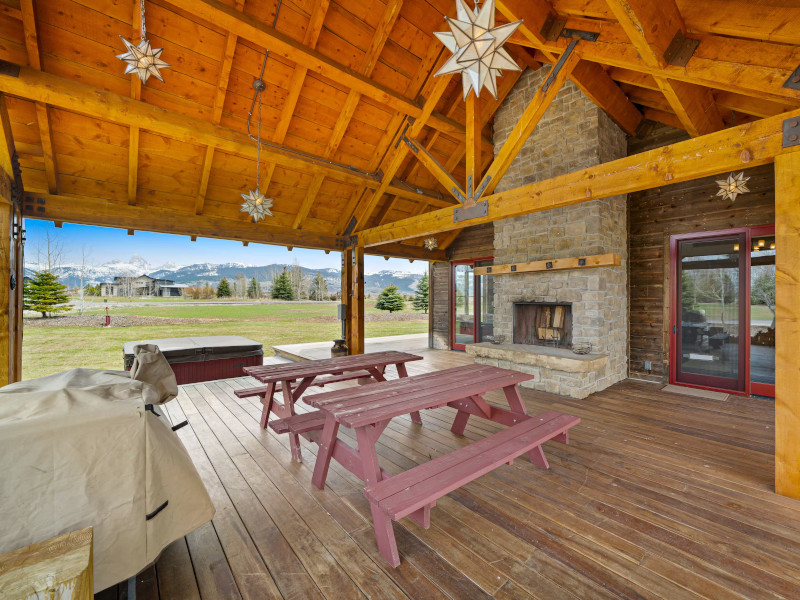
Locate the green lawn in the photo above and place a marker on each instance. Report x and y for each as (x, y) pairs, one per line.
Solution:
(51, 349)
(758, 312)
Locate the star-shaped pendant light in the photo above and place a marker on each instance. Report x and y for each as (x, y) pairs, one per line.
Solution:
(732, 186)
(143, 59)
(477, 47)
(257, 205)
(431, 244)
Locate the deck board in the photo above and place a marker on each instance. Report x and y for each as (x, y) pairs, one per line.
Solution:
(658, 495)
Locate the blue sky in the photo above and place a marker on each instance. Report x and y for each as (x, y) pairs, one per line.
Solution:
(104, 244)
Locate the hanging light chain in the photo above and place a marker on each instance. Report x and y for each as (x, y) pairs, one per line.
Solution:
(258, 145)
(141, 19)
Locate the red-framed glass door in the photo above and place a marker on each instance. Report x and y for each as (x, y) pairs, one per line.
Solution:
(471, 303)
(722, 319)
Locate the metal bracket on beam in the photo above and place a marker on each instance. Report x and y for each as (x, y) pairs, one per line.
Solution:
(410, 144)
(350, 241)
(559, 65)
(350, 227)
(552, 27)
(680, 50)
(482, 187)
(589, 36)
(465, 213)
(791, 132)
(793, 83)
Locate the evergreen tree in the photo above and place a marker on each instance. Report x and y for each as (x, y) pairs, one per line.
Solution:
(420, 301)
(282, 287)
(45, 294)
(223, 289)
(254, 289)
(319, 288)
(390, 299)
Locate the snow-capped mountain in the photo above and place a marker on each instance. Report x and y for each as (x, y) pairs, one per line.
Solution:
(200, 273)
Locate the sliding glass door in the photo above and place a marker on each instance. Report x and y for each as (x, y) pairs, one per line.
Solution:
(472, 304)
(722, 318)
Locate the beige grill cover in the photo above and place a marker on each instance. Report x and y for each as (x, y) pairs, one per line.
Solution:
(78, 448)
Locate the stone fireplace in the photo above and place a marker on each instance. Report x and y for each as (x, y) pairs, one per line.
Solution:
(573, 134)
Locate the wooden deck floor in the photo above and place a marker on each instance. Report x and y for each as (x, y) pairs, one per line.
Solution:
(658, 495)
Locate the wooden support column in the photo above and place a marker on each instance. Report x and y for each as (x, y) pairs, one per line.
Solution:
(473, 146)
(787, 324)
(7, 263)
(353, 296)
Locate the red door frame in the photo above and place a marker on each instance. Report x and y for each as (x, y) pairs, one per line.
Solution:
(475, 328)
(748, 387)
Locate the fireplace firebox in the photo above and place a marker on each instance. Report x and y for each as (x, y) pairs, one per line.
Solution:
(543, 324)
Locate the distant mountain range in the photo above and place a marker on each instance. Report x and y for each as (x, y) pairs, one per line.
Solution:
(199, 274)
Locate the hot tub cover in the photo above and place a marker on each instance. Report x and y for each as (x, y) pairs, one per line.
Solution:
(80, 449)
(196, 349)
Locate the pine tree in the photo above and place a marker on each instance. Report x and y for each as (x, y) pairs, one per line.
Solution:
(420, 301)
(282, 287)
(319, 288)
(254, 289)
(390, 299)
(223, 289)
(45, 294)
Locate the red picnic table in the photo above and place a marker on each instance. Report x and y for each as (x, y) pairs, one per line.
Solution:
(414, 492)
(293, 379)
(368, 410)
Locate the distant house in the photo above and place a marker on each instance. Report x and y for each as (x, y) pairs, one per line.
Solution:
(143, 285)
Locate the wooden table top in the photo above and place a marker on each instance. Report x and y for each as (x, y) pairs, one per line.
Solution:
(380, 401)
(327, 366)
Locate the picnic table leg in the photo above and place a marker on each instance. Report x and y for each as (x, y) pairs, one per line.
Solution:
(402, 372)
(384, 535)
(269, 396)
(369, 456)
(460, 422)
(288, 406)
(517, 405)
(326, 444)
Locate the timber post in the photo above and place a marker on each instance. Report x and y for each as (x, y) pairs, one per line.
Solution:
(353, 297)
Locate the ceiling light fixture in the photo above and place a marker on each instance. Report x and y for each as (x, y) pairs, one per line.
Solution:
(143, 59)
(256, 204)
(477, 47)
(431, 244)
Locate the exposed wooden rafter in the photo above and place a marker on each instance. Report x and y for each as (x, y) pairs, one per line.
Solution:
(651, 27)
(250, 28)
(42, 111)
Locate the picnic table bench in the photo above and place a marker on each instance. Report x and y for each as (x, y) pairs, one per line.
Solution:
(293, 379)
(414, 492)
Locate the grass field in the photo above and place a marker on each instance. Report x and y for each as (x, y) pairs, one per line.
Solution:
(758, 312)
(51, 349)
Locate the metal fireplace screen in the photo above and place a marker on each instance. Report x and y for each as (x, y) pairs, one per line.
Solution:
(543, 324)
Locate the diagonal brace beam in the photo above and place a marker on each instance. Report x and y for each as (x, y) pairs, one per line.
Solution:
(437, 170)
(528, 121)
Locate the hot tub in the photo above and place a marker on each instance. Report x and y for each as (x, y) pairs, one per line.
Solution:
(196, 359)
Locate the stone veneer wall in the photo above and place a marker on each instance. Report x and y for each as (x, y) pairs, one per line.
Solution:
(573, 134)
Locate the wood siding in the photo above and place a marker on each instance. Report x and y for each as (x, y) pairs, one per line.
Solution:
(655, 215)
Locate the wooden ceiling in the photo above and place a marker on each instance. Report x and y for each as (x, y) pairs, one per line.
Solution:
(344, 79)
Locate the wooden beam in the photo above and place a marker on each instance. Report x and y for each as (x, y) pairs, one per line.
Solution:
(526, 123)
(7, 150)
(593, 81)
(473, 145)
(693, 104)
(311, 194)
(439, 86)
(748, 145)
(202, 188)
(407, 251)
(104, 213)
(84, 99)
(787, 324)
(133, 165)
(7, 346)
(279, 44)
(556, 264)
(437, 170)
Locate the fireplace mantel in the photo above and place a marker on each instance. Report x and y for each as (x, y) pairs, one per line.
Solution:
(557, 359)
